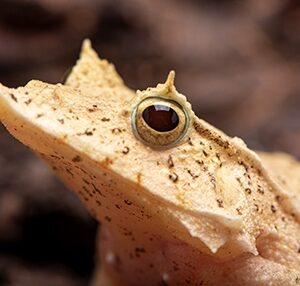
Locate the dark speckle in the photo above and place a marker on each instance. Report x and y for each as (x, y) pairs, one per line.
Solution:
(13, 97)
(170, 162)
(173, 177)
(76, 159)
(55, 157)
(138, 251)
(139, 178)
(194, 176)
(125, 150)
(88, 132)
(127, 202)
(92, 109)
(175, 266)
(61, 121)
(105, 119)
(107, 218)
(107, 161)
(28, 101)
(70, 172)
(125, 113)
(260, 189)
(220, 203)
(39, 115)
(244, 165)
(273, 209)
(212, 179)
(116, 130)
(208, 134)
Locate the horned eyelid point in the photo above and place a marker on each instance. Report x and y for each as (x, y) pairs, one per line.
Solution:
(161, 116)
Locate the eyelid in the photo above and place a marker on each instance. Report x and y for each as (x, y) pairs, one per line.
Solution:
(152, 137)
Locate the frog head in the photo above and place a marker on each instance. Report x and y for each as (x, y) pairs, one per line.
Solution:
(142, 162)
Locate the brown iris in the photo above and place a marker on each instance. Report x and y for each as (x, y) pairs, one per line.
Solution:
(161, 118)
(159, 122)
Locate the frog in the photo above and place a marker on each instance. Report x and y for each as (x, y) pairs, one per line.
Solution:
(179, 201)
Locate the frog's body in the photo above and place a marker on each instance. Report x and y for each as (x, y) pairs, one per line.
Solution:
(206, 211)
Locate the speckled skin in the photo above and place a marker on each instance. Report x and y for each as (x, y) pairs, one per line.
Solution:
(207, 211)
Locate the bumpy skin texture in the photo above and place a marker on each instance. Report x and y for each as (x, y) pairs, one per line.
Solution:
(205, 212)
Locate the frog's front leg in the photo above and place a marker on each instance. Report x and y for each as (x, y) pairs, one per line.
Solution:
(102, 278)
(106, 261)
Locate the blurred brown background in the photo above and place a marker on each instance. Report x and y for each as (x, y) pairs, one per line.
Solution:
(238, 62)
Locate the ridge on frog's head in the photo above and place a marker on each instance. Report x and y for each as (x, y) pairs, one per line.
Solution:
(144, 158)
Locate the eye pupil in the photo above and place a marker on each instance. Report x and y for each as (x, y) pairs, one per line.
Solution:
(161, 117)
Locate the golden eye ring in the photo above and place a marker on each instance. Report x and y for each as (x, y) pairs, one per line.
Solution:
(159, 122)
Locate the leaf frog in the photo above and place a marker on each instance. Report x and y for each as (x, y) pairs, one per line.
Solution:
(179, 201)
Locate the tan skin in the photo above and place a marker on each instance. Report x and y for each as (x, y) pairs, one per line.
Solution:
(180, 202)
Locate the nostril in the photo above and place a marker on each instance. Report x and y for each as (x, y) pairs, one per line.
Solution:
(29, 16)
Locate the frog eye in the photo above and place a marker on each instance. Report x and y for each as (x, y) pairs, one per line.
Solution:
(159, 122)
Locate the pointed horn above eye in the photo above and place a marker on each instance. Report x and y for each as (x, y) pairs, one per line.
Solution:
(170, 79)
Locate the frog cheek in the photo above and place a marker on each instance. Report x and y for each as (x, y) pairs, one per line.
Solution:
(159, 122)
